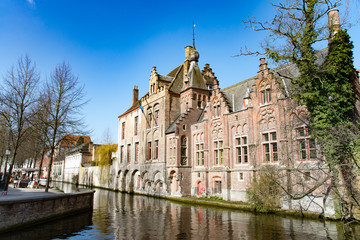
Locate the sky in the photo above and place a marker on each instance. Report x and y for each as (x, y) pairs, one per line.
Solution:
(112, 45)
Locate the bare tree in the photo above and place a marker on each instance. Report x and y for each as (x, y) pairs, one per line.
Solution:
(17, 97)
(66, 99)
(107, 136)
(40, 123)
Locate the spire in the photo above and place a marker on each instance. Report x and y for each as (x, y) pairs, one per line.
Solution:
(193, 35)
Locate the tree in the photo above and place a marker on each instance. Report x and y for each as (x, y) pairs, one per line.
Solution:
(17, 98)
(104, 154)
(66, 99)
(326, 88)
(264, 192)
(40, 123)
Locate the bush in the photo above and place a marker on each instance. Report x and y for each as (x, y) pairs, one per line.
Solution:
(264, 192)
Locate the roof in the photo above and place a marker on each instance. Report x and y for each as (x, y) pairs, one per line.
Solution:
(73, 139)
(177, 82)
(236, 93)
(132, 108)
(196, 79)
(171, 128)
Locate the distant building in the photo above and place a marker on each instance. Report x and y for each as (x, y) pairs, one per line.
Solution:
(64, 146)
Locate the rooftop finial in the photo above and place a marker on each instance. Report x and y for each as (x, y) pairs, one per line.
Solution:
(193, 35)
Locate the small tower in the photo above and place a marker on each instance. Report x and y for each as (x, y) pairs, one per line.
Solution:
(194, 91)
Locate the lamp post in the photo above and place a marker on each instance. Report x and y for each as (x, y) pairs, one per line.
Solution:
(7, 153)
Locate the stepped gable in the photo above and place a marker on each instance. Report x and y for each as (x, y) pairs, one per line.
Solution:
(209, 76)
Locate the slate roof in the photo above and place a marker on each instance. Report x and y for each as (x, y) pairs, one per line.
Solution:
(171, 128)
(238, 91)
(196, 80)
(177, 83)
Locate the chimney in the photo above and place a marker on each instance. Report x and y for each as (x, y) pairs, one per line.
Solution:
(334, 22)
(187, 52)
(187, 60)
(135, 95)
(263, 65)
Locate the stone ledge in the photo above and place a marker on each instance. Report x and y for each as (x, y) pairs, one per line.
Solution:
(28, 211)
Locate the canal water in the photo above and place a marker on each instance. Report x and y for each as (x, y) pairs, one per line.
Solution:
(124, 216)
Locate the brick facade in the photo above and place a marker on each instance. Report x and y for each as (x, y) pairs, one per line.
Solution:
(207, 141)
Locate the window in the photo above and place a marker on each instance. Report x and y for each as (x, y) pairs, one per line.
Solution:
(200, 155)
(217, 109)
(156, 118)
(136, 160)
(183, 150)
(128, 158)
(266, 96)
(123, 130)
(241, 148)
(246, 102)
(306, 145)
(241, 176)
(150, 120)
(218, 152)
(156, 149)
(121, 154)
(136, 126)
(217, 187)
(270, 149)
(149, 151)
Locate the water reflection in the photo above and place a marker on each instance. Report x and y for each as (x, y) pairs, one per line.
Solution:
(136, 217)
(122, 216)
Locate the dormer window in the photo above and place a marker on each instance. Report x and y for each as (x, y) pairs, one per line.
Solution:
(246, 102)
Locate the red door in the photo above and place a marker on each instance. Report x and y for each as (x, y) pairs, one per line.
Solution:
(199, 189)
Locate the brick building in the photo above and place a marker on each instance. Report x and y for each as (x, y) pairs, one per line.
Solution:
(187, 136)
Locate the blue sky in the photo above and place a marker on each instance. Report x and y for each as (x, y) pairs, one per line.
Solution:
(112, 45)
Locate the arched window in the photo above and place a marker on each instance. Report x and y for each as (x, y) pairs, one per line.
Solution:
(217, 109)
(156, 115)
(183, 150)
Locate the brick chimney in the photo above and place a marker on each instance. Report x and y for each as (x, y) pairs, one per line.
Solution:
(135, 95)
(263, 64)
(334, 22)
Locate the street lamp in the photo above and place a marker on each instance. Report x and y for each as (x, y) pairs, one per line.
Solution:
(7, 153)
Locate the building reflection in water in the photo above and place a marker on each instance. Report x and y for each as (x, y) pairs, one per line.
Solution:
(140, 217)
(123, 216)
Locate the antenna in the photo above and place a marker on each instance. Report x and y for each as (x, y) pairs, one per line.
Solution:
(194, 35)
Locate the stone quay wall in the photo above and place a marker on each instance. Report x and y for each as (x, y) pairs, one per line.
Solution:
(18, 213)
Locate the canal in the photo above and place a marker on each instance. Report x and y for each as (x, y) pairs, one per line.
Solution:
(123, 216)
